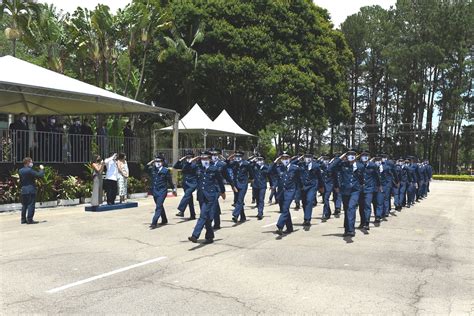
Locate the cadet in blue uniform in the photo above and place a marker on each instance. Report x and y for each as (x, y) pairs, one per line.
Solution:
(218, 161)
(210, 186)
(242, 171)
(397, 200)
(260, 174)
(412, 181)
(352, 178)
(429, 174)
(28, 190)
(160, 181)
(368, 194)
(288, 180)
(336, 193)
(189, 186)
(330, 181)
(311, 181)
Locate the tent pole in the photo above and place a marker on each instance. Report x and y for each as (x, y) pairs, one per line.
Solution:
(175, 144)
(234, 143)
(205, 139)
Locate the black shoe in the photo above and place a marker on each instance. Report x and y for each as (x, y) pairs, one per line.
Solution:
(180, 214)
(349, 234)
(288, 231)
(360, 226)
(325, 218)
(279, 231)
(163, 223)
(234, 219)
(209, 241)
(192, 218)
(243, 220)
(29, 222)
(152, 226)
(259, 217)
(24, 222)
(366, 227)
(306, 223)
(193, 239)
(216, 227)
(297, 207)
(377, 220)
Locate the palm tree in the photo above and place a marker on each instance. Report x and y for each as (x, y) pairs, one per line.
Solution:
(22, 13)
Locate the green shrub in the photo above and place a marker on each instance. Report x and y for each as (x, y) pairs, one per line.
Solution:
(138, 186)
(453, 177)
(47, 186)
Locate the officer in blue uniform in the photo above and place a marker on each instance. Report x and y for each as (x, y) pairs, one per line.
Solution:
(210, 187)
(392, 181)
(311, 180)
(160, 181)
(218, 160)
(272, 182)
(412, 181)
(288, 180)
(398, 169)
(189, 186)
(336, 193)
(28, 190)
(369, 190)
(423, 178)
(260, 173)
(380, 195)
(242, 171)
(429, 174)
(330, 181)
(352, 179)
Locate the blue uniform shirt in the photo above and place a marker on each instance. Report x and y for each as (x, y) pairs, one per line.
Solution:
(242, 173)
(189, 174)
(310, 174)
(210, 181)
(27, 179)
(287, 178)
(352, 175)
(260, 175)
(160, 179)
(372, 179)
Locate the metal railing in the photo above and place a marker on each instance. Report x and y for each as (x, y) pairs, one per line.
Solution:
(47, 147)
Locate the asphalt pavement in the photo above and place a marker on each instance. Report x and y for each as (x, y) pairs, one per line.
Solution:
(420, 261)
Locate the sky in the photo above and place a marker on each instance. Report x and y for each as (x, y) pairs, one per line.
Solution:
(339, 9)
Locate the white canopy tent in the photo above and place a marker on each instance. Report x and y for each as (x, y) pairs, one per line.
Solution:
(195, 121)
(28, 88)
(226, 124)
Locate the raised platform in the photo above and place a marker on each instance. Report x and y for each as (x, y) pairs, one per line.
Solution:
(105, 207)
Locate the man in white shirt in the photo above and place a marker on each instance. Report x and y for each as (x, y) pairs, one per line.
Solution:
(110, 183)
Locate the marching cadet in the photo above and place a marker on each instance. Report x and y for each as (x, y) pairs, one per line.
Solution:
(423, 178)
(412, 181)
(242, 171)
(336, 194)
(352, 178)
(189, 186)
(260, 174)
(160, 181)
(288, 180)
(380, 196)
(329, 176)
(387, 177)
(311, 180)
(218, 160)
(397, 197)
(429, 173)
(368, 194)
(210, 187)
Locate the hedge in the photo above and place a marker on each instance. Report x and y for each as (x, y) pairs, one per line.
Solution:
(453, 177)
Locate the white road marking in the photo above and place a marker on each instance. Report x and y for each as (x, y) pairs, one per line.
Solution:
(273, 224)
(103, 275)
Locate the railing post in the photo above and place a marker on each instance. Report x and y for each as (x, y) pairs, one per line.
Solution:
(175, 144)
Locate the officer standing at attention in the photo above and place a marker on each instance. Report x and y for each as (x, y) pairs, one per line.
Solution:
(311, 181)
(352, 179)
(288, 180)
(242, 171)
(369, 191)
(259, 184)
(28, 190)
(189, 186)
(210, 186)
(330, 182)
(218, 160)
(160, 181)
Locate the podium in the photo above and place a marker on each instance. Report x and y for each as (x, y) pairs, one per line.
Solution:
(113, 207)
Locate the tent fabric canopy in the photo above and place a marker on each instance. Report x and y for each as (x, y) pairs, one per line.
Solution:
(226, 124)
(28, 88)
(195, 121)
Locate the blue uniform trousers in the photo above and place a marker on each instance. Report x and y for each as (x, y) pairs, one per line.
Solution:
(217, 214)
(260, 199)
(206, 216)
(387, 190)
(327, 206)
(239, 205)
(337, 198)
(159, 197)
(365, 206)
(308, 195)
(380, 199)
(187, 200)
(411, 192)
(297, 197)
(402, 191)
(284, 200)
(28, 206)
(350, 202)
